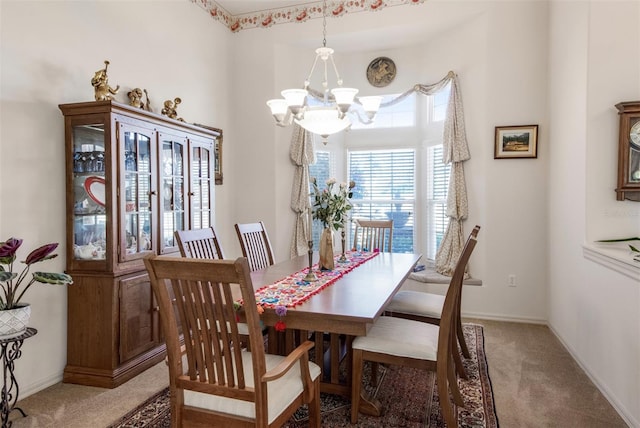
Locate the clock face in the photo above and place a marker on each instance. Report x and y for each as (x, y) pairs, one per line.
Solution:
(634, 136)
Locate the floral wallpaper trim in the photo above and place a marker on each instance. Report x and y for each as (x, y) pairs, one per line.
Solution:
(298, 13)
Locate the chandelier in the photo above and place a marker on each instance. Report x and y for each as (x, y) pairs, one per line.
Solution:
(323, 113)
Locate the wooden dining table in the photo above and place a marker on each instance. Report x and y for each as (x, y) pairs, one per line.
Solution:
(341, 311)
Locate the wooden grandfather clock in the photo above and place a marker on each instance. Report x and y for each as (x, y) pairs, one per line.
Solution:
(629, 152)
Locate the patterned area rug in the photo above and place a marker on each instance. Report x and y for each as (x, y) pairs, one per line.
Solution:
(409, 398)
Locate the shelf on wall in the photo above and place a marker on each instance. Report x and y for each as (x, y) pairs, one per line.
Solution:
(615, 256)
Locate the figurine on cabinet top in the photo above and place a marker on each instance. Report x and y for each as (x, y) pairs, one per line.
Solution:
(100, 82)
(170, 109)
(135, 98)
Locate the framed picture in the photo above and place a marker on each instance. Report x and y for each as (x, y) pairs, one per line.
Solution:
(217, 153)
(516, 142)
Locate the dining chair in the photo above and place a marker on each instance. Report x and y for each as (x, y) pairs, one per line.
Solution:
(427, 307)
(255, 244)
(405, 342)
(256, 247)
(199, 243)
(373, 235)
(218, 383)
(204, 244)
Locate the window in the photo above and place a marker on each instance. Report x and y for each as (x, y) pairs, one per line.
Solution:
(437, 188)
(397, 166)
(385, 189)
(322, 171)
(438, 108)
(400, 115)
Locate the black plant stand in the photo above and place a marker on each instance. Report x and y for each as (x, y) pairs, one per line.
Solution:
(10, 349)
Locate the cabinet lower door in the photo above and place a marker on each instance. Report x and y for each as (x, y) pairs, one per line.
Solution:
(139, 318)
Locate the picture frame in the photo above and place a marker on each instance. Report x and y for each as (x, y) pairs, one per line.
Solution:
(516, 142)
(217, 149)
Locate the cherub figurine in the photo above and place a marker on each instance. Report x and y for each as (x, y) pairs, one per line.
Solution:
(135, 98)
(170, 109)
(100, 82)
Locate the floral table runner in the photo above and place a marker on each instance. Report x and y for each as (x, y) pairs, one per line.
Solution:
(294, 290)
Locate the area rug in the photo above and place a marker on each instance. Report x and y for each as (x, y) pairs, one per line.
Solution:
(408, 396)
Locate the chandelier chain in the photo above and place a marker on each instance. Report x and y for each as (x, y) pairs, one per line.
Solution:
(324, 23)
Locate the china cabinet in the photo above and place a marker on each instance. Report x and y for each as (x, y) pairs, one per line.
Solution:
(133, 178)
(629, 151)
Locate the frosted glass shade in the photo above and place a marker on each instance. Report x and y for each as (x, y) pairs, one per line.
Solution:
(323, 121)
(371, 103)
(294, 97)
(278, 107)
(344, 95)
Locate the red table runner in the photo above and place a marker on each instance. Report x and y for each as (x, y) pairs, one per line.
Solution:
(294, 290)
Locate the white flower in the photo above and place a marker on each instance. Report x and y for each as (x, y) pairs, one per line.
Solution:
(329, 207)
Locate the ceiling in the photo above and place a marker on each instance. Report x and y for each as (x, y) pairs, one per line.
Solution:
(239, 15)
(239, 7)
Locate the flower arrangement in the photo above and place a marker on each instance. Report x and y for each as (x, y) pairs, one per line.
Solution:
(329, 206)
(11, 282)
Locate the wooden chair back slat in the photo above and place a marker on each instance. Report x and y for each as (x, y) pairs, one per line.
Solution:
(199, 243)
(204, 299)
(255, 245)
(373, 235)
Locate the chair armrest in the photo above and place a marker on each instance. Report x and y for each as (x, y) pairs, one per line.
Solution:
(300, 353)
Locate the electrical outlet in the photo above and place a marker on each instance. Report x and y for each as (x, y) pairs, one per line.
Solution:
(512, 280)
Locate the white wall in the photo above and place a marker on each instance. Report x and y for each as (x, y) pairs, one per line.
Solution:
(593, 310)
(49, 53)
(525, 62)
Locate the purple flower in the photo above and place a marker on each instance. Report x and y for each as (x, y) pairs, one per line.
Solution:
(281, 310)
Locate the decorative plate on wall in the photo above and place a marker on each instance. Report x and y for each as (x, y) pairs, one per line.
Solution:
(381, 71)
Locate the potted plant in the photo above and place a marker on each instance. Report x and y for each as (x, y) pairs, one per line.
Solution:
(14, 314)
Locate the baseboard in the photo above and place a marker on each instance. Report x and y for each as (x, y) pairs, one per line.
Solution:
(611, 398)
(32, 388)
(508, 318)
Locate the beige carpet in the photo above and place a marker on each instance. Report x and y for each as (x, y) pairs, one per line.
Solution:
(535, 381)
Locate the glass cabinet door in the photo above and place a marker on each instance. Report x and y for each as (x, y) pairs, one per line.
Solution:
(172, 189)
(201, 168)
(135, 192)
(89, 192)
